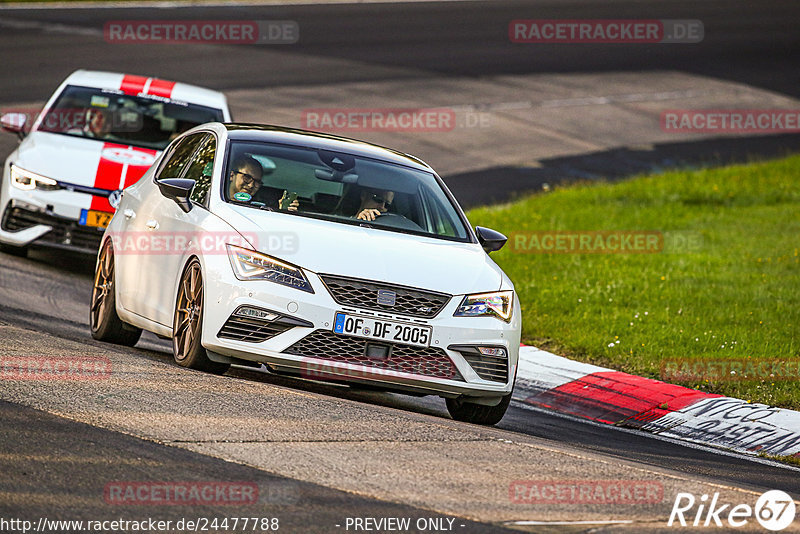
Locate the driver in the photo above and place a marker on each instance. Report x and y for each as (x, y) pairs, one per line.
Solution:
(97, 123)
(93, 123)
(374, 203)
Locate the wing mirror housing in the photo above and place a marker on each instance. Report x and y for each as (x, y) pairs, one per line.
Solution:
(177, 189)
(14, 123)
(489, 239)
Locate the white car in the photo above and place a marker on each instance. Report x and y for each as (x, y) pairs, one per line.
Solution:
(351, 263)
(97, 134)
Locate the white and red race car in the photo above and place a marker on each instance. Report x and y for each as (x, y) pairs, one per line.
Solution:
(98, 133)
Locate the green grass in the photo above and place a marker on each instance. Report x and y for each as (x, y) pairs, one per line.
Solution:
(735, 295)
(793, 460)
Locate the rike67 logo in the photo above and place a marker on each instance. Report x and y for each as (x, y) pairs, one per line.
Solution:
(774, 510)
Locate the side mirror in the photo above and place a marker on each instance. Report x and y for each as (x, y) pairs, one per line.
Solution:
(14, 123)
(177, 189)
(489, 239)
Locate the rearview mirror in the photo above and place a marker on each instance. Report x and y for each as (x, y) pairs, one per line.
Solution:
(177, 189)
(14, 123)
(336, 176)
(489, 239)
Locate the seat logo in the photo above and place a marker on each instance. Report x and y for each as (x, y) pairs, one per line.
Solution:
(386, 297)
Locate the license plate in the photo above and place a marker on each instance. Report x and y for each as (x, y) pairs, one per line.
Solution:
(380, 330)
(98, 219)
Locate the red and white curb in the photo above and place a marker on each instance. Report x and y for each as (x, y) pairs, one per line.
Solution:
(611, 397)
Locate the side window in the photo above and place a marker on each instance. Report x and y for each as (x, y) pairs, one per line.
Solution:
(180, 156)
(201, 169)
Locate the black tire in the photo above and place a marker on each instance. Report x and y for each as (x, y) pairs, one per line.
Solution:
(187, 324)
(479, 414)
(103, 319)
(21, 252)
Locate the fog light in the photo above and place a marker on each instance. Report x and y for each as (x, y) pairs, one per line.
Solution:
(255, 313)
(497, 352)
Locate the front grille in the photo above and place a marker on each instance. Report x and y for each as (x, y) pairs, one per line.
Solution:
(494, 368)
(324, 344)
(65, 231)
(364, 294)
(251, 330)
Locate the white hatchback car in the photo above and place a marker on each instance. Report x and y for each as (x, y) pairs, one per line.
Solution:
(98, 133)
(318, 256)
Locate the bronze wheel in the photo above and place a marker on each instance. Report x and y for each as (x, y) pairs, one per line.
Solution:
(186, 332)
(103, 319)
(187, 325)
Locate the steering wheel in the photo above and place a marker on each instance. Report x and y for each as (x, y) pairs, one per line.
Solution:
(395, 220)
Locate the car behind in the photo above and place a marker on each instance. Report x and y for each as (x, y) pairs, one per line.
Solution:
(97, 134)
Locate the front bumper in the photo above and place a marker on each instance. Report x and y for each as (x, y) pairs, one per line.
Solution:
(314, 351)
(49, 218)
(23, 224)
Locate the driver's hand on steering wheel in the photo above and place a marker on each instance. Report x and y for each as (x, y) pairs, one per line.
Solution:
(368, 214)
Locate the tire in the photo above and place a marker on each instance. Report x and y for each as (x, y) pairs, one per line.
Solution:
(21, 252)
(103, 319)
(479, 414)
(187, 324)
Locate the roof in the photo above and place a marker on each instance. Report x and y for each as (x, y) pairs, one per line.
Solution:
(318, 140)
(133, 84)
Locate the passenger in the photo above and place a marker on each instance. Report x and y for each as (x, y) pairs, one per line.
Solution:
(246, 177)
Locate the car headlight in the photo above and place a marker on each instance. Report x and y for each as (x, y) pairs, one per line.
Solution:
(28, 181)
(496, 304)
(250, 265)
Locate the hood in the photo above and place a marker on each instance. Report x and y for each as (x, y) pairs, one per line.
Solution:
(84, 162)
(326, 247)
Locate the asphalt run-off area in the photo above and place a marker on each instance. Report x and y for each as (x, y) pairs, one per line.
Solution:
(502, 98)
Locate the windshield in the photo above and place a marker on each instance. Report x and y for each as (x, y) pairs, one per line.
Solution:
(147, 122)
(340, 188)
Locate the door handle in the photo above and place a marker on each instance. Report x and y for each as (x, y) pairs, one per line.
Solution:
(129, 214)
(152, 224)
